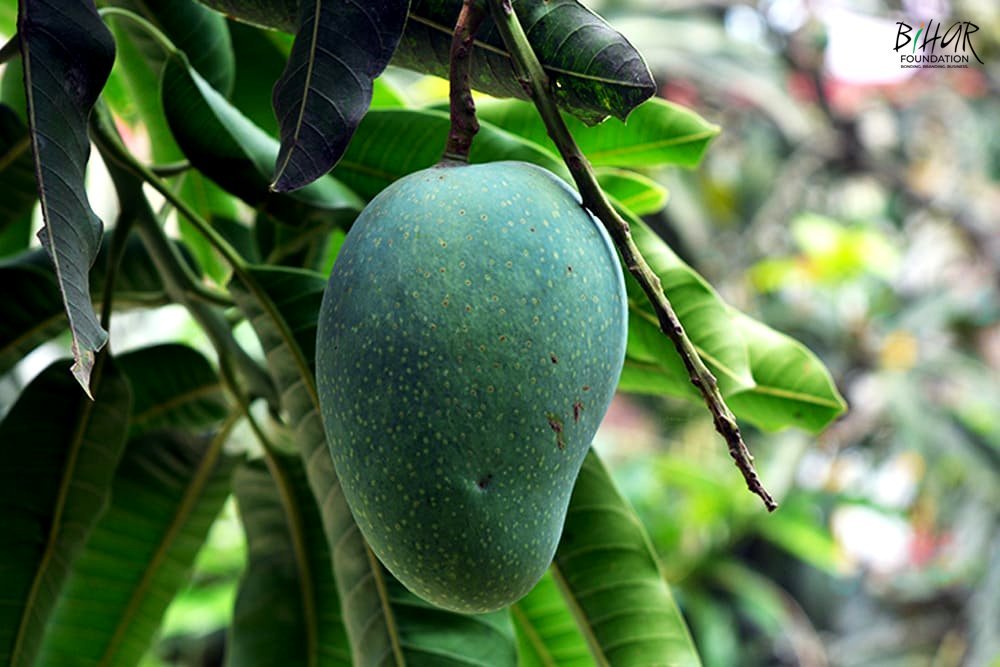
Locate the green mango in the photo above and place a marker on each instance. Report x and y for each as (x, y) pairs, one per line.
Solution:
(470, 340)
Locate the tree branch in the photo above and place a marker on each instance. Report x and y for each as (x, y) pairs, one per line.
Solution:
(464, 124)
(536, 82)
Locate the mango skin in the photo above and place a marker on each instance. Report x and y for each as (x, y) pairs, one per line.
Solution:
(470, 340)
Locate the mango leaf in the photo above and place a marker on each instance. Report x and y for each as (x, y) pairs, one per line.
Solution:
(287, 610)
(340, 47)
(608, 574)
(173, 386)
(236, 154)
(60, 450)
(384, 622)
(547, 633)
(793, 387)
(17, 171)
(166, 493)
(31, 311)
(657, 133)
(594, 70)
(652, 365)
(259, 63)
(67, 53)
(194, 29)
(639, 194)
(391, 143)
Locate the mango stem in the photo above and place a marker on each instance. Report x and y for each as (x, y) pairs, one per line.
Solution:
(464, 124)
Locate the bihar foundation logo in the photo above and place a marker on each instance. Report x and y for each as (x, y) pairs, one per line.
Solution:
(935, 46)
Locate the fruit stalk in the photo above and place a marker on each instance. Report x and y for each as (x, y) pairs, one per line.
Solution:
(536, 82)
(464, 124)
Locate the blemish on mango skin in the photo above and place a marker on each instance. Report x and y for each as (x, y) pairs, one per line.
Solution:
(556, 425)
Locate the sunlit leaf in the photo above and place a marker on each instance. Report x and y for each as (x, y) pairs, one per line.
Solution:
(658, 132)
(547, 633)
(639, 194)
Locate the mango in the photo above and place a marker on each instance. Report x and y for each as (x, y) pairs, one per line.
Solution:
(470, 340)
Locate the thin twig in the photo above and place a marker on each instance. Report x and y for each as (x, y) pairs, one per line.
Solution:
(464, 123)
(536, 82)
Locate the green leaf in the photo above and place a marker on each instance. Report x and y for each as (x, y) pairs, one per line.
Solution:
(609, 576)
(194, 29)
(326, 88)
(166, 493)
(67, 54)
(287, 610)
(391, 143)
(259, 63)
(547, 633)
(60, 450)
(639, 194)
(657, 133)
(594, 70)
(597, 72)
(381, 617)
(31, 311)
(238, 155)
(173, 386)
(652, 364)
(17, 170)
(793, 387)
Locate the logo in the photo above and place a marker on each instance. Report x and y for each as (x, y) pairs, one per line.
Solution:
(932, 45)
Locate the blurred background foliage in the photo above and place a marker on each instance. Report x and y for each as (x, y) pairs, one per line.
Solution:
(855, 206)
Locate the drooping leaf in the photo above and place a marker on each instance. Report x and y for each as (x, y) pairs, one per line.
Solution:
(173, 386)
(60, 450)
(793, 387)
(391, 143)
(31, 311)
(639, 194)
(67, 53)
(547, 633)
(166, 493)
(597, 72)
(287, 610)
(652, 364)
(17, 171)
(238, 155)
(608, 574)
(594, 70)
(657, 133)
(340, 47)
(385, 623)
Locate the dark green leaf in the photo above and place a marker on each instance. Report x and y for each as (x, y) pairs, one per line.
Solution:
(17, 172)
(340, 47)
(657, 133)
(67, 54)
(165, 495)
(793, 387)
(609, 575)
(383, 620)
(287, 610)
(32, 311)
(391, 143)
(594, 70)
(238, 155)
(60, 450)
(547, 633)
(173, 386)
(259, 63)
